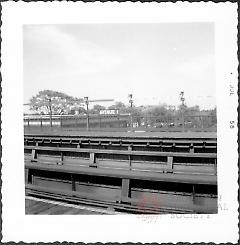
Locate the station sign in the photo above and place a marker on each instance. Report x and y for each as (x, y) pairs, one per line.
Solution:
(109, 112)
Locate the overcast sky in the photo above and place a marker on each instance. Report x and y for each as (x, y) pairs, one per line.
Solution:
(154, 62)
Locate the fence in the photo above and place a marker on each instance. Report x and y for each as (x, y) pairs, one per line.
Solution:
(123, 122)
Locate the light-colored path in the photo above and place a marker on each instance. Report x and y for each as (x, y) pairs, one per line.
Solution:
(35, 205)
(123, 134)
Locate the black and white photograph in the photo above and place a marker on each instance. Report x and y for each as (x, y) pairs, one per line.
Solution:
(122, 117)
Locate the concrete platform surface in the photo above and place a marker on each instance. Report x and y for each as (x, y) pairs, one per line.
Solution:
(187, 134)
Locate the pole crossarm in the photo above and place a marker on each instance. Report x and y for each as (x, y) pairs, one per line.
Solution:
(105, 100)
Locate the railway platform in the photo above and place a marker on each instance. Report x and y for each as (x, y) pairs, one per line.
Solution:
(131, 172)
(34, 206)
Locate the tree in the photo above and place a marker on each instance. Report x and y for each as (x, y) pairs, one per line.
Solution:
(136, 114)
(156, 111)
(192, 111)
(97, 108)
(212, 113)
(156, 114)
(76, 109)
(52, 102)
(118, 105)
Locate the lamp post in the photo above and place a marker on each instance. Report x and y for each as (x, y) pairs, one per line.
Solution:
(50, 111)
(130, 99)
(87, 103)
(182, 99)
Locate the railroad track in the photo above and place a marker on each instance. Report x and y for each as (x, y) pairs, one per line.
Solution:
(192, 145)
(106, 206)
(38, 205)
(167, 174)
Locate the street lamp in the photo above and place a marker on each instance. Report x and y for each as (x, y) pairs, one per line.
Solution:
(130, 100)
(87, 103)
(182, 99)
(50, 110)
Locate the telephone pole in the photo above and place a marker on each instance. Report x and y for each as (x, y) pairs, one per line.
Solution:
(87, 103)
(86, 100)
(182, 100)
(130, 99)
(50, 111)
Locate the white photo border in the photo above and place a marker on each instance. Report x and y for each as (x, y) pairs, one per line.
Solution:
(218, 228)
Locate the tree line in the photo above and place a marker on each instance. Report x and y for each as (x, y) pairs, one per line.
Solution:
(54, 102)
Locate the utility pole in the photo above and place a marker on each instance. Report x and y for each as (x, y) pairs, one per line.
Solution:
(182, 99)
(50, 111)
(130, 98)
(86, 100)
(87, 103)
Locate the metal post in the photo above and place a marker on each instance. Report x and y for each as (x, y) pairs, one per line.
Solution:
(60, 121)
(126, 190)
(76, 122)
(87, 102)
(131, 118)
(73, 183)
(183, 123)
(118, 120)
(201, 122)
(87, 119)
(131, 112)
(182, 99)
(50, 112)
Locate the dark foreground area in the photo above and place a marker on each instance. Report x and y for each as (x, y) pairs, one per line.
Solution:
(130, 172)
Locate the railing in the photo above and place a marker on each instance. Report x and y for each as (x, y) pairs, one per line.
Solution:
(124, 122)
(160, 181)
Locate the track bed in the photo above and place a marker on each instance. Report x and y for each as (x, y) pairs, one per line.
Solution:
(134, 173)
(135, 134)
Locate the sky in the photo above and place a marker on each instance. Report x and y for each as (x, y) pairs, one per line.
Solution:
(154, 62)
